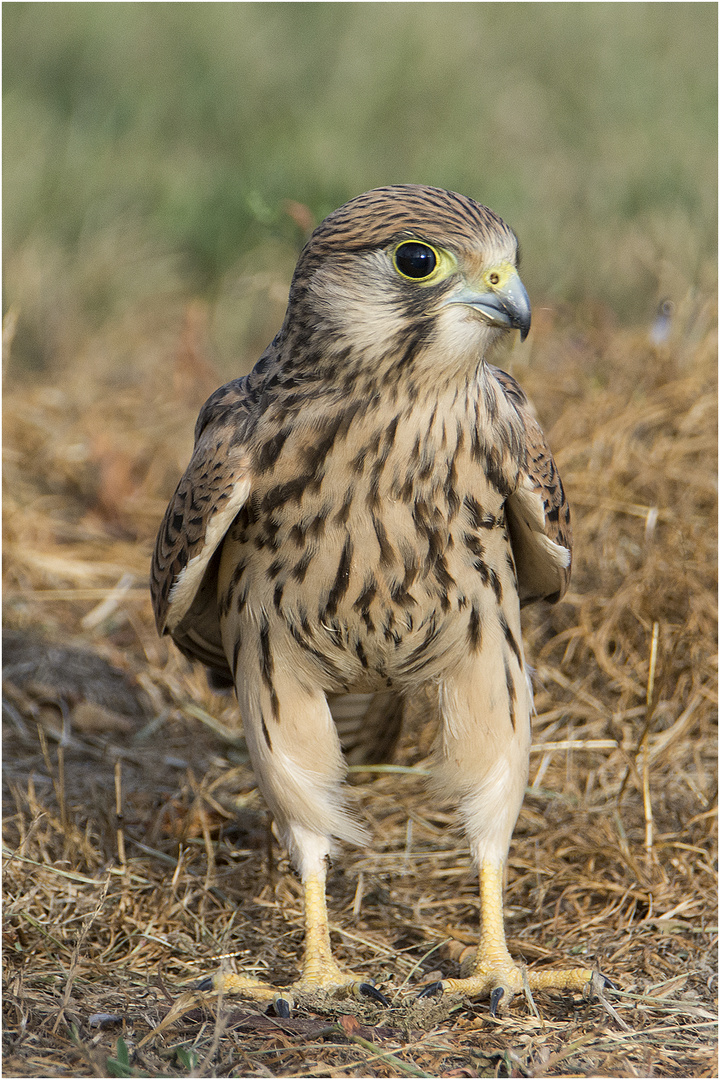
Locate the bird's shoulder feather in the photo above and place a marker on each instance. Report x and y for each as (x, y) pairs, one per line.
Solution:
(537, 510)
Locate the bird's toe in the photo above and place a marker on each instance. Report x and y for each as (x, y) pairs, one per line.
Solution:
(334, 983)
(495, 998)
(473, 987)
(501, 980)
(283, 1003)
(228, 982)
(370, 990)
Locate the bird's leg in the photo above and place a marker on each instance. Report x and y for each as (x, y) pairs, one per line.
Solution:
(319, 969)
(484, 755)
(297, 759)
(493, 967)
(319, 973)
(494, 972)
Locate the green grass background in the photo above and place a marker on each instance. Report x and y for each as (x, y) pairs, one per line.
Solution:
(149, 148)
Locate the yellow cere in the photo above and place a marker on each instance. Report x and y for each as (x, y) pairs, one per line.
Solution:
(497, 276)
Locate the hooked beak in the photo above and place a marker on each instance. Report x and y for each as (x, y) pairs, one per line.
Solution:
(506, 304)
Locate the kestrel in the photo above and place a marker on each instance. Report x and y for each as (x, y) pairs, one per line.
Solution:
(366, 512)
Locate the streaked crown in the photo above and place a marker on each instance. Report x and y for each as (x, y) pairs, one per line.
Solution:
(385, 214)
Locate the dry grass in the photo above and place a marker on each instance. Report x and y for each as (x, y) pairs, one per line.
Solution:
(110, 920)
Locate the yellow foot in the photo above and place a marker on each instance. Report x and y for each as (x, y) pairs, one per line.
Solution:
(502, 980)
(494, 973)
(330, 982)
(321, 977)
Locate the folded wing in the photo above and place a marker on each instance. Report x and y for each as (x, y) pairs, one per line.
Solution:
(537, 511)
(212, 491)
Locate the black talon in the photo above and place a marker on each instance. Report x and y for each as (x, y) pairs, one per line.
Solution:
(431, 990)
(608, 982)
(282, 1008)
(495, 999)
(368, 990)
(206, 984)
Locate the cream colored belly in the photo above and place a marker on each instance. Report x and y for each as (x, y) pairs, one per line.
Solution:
(385, 597)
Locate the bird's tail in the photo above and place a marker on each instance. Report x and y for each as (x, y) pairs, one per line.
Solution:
(369, 725)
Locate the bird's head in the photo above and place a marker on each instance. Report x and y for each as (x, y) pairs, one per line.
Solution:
(405, 278)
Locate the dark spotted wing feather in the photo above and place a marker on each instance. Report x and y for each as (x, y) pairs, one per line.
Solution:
(537, 512)
(212, 491)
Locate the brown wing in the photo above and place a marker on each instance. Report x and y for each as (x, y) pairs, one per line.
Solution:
(537, 512)
(212, 491)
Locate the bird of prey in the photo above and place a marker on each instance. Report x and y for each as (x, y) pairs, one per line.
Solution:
(366, 512)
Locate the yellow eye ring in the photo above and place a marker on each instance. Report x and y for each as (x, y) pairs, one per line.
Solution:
(416, 260)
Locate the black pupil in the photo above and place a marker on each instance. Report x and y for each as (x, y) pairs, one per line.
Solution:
(415, 260)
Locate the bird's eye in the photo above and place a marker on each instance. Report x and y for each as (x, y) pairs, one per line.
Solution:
(415, 260)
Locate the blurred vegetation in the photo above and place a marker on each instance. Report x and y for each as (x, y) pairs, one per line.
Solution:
(150, 150)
